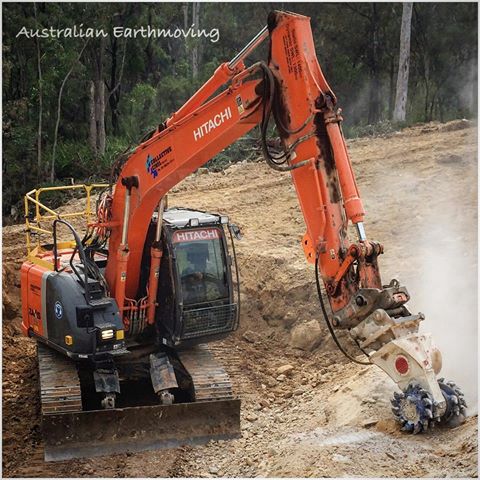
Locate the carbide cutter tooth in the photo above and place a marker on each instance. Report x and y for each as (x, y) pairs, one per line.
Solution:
(454, 399)
(398, 396)
(441, 380)
(429, 413)
(427, 401)
(456, 410)
(425, 425)
(417, 428)
(408, 426)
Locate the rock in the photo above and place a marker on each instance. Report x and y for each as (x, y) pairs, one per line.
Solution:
(391, 455)
(251, 337)
(299, 391)
(369, 423)
(213, 470)
(264, 402)
(285, 370)
(290, 318)
(281, 378)
(336, 457)
(251, 417)
(306, 336)
(271, 382)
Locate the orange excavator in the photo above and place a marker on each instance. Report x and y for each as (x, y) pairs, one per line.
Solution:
(124, 315)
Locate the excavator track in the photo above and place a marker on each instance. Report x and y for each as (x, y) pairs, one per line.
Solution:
(210, 380)
(59, 383)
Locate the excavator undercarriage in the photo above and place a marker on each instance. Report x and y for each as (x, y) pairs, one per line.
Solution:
(71, 430)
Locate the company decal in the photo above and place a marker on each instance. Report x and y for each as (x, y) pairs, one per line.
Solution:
(58, 310)
(158, 162)
(196, 235)
(212, 124)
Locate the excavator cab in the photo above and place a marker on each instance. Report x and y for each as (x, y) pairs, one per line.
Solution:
(197, 298)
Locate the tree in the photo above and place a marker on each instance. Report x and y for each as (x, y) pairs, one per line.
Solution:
(97, 100)
(196, 47)
(59, 110)
(400, 110)
(40, 100)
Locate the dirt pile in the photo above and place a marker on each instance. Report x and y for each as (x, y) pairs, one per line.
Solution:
(304, 412)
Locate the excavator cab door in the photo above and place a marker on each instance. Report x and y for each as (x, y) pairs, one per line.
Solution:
(197, 299)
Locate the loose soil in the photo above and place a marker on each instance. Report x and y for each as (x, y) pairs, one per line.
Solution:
(326, 417)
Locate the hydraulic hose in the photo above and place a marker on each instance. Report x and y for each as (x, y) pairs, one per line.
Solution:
(268, 96)
(329, 326)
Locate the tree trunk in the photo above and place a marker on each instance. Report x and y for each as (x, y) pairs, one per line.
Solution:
(374, 104)
(100, 117)
(98, 145)
(59, 108)
(391, 93)
(195, 49)
(92, 138)
(40, 103)
(399, 113)
(185, 26)
(114, 89)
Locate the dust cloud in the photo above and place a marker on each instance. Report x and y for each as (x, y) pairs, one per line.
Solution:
(446, 291)
(428, 209)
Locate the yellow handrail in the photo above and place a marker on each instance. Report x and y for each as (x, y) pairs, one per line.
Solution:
(32, 199)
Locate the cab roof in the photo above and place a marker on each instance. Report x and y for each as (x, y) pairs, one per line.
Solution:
(180, 217)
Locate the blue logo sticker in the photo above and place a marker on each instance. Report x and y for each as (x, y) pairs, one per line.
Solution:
(150, 168)
(58, 310)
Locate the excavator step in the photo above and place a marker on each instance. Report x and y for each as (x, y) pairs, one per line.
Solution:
(69, 432)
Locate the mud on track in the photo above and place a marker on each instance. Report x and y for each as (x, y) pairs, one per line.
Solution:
(327, 417)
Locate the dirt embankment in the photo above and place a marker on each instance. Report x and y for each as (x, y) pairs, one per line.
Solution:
(323, 416)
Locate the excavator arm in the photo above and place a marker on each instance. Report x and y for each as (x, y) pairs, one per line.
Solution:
(290, 88)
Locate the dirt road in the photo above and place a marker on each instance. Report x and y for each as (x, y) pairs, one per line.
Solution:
(327, 417)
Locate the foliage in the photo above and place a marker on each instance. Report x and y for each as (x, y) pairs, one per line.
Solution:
(357, 46)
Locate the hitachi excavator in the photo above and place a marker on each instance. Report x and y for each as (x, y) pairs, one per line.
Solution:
(124, 314)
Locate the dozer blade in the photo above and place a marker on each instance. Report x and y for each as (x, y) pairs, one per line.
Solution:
(134, 429)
